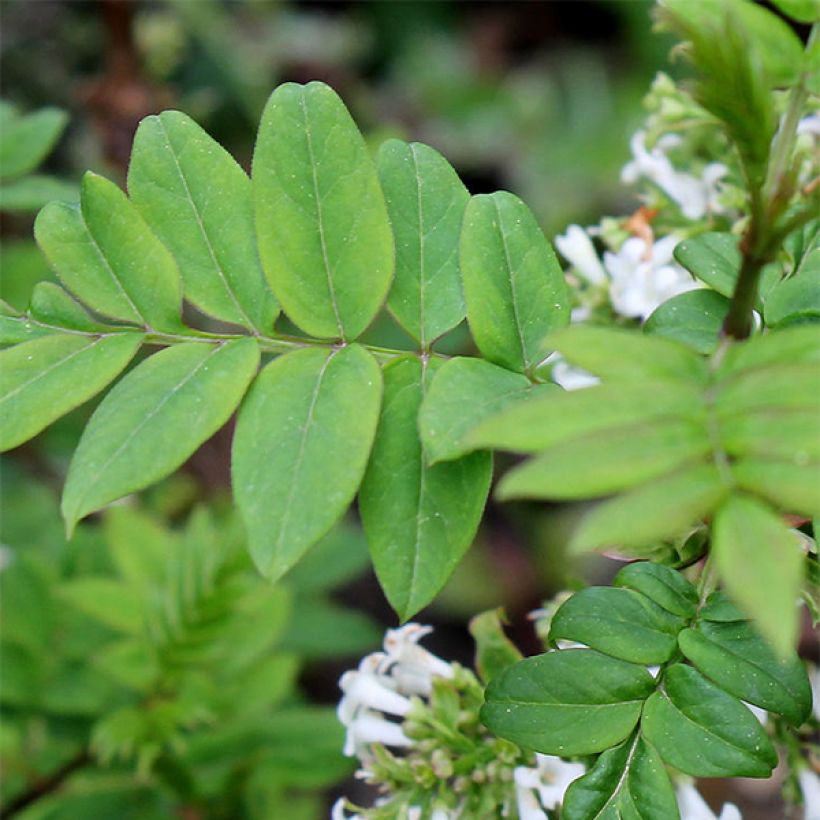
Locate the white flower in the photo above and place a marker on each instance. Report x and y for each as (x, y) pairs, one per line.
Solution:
(567, 375)
(809, 125)
(814, 677)
(644, 276)
(695, 197)
(543, 786)
(411, 666)
(693, 807)
(810, 786)
(577, 248)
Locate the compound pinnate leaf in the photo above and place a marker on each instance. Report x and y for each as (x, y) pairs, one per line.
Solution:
(301, 446)
(567, 702)
(664, 586)
(698, 728)
(794, 488)
(426, 202)
(513, 284)
(154, 419)
(41, 380)
(198, 201)
(628, 781)
(463, 394)
(621, 623)
(735, 657)
(105, 253)
(419, 519)
(322, 225)
(760, 563)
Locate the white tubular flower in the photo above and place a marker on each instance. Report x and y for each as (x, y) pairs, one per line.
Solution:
(366, 729)
(547, 782)
(810, 786)
(411, 666)
(577, 248)
(644, 276)
(693, 807)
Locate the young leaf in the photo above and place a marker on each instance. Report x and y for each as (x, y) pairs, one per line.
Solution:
(513, 284)
(106, 255)
(494, 652)
(735, 657)
(26, 140)
(697, 728)
(761, 565)
(197, 199)
(664, 586)
(43, 379)
(463, 394)
(568, 702)
(419, 520)
(693, 318)
(628, 781)
(621, 623)
(321, 221)
(300, 449)
(154, 419)
(426, 202)
(607, 462)
(794, 488)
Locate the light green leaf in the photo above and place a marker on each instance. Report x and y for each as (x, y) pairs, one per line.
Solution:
(607, 462)
(693, 318)
(43, 379)
(26, 140)
(789, 435)
(154, 419)
(794, 345)
(321, 221)
(109, 602)
(792, 487)
(463, 394)
(806, 11)
(426, 202)
(662, 508)
(662, 585)
(15, 329)
(735, 657)
(621, 623)
(106, 255)
(783, 386)
(197, 199)
(697, 728)
(31, 193)
(513, 284)
(51, 305)
(628, 782)
(494, 651)
(568, 702)
(760, 563)
(300, 449)
(419, 520)
(554, 418)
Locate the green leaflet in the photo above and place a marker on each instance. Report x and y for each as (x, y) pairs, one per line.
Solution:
(662, 508)
(791, 435)
(26, 140)
(720, 609)
(43, 379)
(419, 520)
(606, 462)
(735, 657)
(51, 305)
(760, 563)
(31, 193)
(301, 446)
(513, 284)
(567, 702)
(197, 199)
(554, 417)
(714, 258)
(627, 782)
(463, 394)
(791, 346)
(154, 419)
(105, 253)
(664, 586)
(618, 622)
(796, 299)
(426, 202)
(693, 318)
(697, 728)
(321, 221)
(787, 385)
(806, 11)
(792, 487)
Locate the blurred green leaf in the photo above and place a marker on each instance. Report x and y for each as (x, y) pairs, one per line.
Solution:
(26, 140)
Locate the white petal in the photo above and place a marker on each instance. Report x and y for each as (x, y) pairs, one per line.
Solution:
(528, 806)
(810, 125)
(692, 805)
(368, 728)
(810, 786)
(369, 690)
(576, 246)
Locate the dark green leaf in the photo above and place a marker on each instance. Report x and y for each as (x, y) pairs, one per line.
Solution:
(714, 258)
(720, 609)
(693, 318)
(796, 299)
(661, 584)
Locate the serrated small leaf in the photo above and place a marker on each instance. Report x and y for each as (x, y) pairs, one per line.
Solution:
(628, 782)
(620, 623)
(198, 200)
(607, 462)
(693, 318)
(41, 380)
(154, 419)
(426, 202)
(105, 253)
(793, 488)
(698, 728)
(761, 566)
(736, 658)
(662, 508)
(300, 449)
(513, 284)
(663, 585)
(463, 394)
(568, 702)
(322, 225)
(419, 520)
(52, 305)
(26, 140)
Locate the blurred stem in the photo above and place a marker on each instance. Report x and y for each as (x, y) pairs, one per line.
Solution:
(46, 785)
